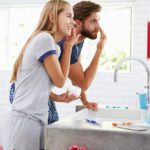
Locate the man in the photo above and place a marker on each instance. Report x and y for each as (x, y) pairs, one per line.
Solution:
(87, 24)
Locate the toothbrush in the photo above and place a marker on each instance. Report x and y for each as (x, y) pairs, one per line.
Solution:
(93, 122)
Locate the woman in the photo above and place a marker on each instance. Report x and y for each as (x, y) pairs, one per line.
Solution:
(35, 71)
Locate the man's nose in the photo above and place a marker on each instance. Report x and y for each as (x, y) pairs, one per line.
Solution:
(98, 25)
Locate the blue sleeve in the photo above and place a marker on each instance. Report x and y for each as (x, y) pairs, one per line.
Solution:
(75, 52)
(41, 59)
(12, 93)
(74, 55)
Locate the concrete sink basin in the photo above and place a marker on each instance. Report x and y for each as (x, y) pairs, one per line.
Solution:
(75, 130)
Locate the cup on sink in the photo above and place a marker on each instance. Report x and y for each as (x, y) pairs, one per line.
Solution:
(142, 100)
(143, 105)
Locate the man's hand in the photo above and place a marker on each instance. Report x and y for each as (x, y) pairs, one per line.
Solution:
(91, 105)
(102, 40)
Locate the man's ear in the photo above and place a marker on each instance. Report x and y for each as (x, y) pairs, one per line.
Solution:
(78, 23)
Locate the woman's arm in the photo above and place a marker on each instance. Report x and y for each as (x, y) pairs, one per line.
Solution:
(64, 97)
(58, 72)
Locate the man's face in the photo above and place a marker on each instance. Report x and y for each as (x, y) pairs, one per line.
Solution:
(65, 21)
(90, 26)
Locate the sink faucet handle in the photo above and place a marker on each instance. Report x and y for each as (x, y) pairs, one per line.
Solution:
(147, 86)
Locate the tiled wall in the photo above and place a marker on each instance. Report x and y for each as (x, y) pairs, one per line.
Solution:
(4, 103)
(103, 90)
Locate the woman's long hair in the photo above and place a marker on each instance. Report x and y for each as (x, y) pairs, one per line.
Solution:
(47, 22)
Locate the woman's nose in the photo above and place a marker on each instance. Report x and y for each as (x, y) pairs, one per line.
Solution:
(73, 23)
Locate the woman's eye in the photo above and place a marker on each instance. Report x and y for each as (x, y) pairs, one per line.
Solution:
(69, 16)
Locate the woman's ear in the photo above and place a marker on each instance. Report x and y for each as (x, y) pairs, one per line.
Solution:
(51, 18)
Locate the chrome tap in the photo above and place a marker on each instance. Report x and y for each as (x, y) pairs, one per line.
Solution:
(146, 68)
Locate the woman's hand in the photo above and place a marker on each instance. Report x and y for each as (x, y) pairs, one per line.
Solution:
(64, 97)
(72, 39)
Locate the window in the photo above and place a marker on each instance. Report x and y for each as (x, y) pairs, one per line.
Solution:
(117, 24)
(3, 38)
(18, 22)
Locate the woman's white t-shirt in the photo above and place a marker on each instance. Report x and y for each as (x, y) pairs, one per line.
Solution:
(33, 84)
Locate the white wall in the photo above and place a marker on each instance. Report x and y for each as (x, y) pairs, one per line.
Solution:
(103, 89)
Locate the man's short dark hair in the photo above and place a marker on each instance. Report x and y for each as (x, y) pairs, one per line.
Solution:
(84, 9)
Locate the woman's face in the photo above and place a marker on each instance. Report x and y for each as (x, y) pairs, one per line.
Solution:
(65, 21)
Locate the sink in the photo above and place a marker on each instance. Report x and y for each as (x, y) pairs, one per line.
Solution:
(74, 130)
(109, 114)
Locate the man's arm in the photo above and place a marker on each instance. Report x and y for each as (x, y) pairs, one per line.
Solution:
(82, 78)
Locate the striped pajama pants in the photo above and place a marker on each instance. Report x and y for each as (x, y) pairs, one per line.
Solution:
(23, 132)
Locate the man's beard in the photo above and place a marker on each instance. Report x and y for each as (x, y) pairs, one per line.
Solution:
(88, 34)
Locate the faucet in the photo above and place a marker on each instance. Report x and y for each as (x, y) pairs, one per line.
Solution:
(146, 68)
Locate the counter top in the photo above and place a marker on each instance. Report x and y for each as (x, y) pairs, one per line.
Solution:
(70, 123)
(69, 131)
